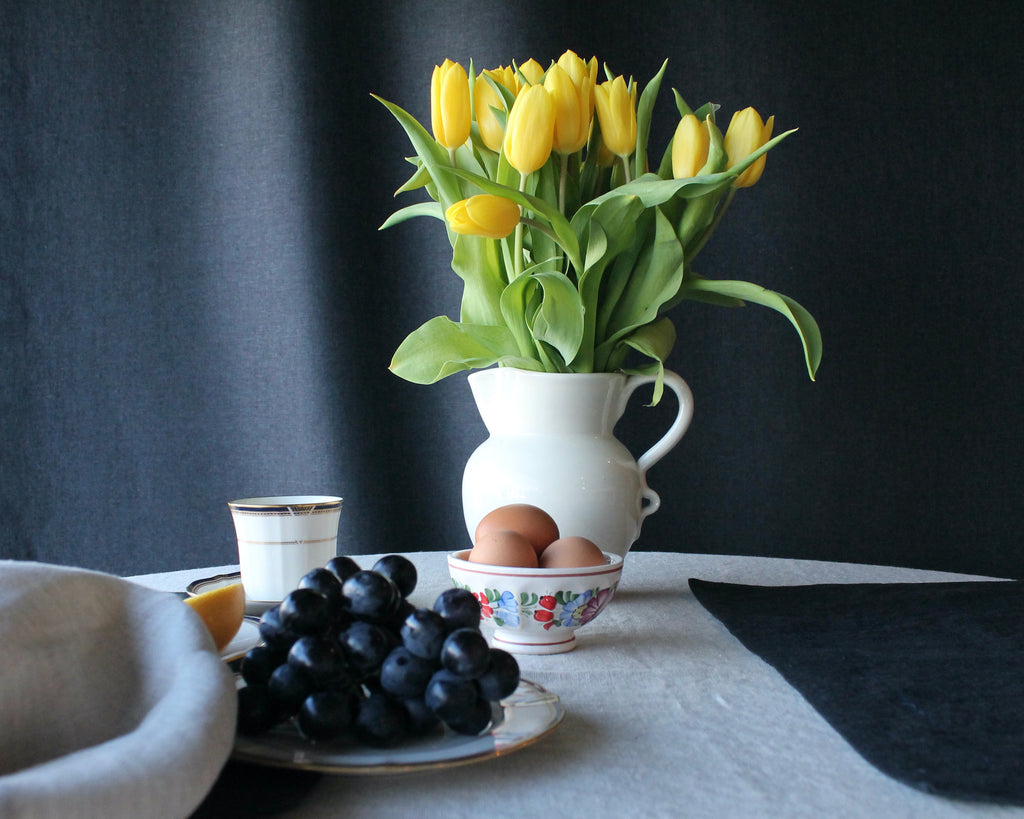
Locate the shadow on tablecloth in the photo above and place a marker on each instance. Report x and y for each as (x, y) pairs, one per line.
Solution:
(243, 791)
(924, 680)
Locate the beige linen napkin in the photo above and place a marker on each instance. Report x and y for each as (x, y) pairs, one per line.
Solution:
(113, 701)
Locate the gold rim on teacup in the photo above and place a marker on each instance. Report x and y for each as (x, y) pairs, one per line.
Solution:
(286, 504)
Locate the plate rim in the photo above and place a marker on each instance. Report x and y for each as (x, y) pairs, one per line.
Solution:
(540, 694)
(252, 607)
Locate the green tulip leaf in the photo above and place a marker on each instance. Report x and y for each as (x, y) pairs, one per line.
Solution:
(617, 276)
(654, 280)
(644, 113)
(431, 154)
(803, 321)
(559, 321)
(412, 211)
(555, 318)
(478, 262)
(442, 347)
(681, 105)
(608, 230)
(419, 179)
(654, 340)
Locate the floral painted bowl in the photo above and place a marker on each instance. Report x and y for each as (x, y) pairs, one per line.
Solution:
(537, 611)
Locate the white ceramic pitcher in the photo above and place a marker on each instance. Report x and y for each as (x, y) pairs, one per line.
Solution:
(551, 445)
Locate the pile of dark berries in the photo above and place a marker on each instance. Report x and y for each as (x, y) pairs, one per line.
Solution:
(345, 655)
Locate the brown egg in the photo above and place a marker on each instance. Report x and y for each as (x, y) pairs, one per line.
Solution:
(535, 524)
(571, 553)
(504, 548)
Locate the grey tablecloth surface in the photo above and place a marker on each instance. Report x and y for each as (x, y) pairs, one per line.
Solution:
(113, 701)
(667, 715)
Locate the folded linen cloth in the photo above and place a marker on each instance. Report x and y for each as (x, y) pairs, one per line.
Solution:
(924, 680)
(113, 701)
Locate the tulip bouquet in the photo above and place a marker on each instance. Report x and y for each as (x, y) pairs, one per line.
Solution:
(572, 245)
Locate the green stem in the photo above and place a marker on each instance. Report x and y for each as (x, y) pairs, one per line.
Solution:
(625, 168)
(561, 183)
(518, 261)
(706, 235)
(451, 158)
(561, 191)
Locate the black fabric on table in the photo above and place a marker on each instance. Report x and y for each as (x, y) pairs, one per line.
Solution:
(924, 680)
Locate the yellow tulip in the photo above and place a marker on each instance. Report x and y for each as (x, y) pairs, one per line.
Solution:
(573, 108)
(530, 130)
(577, 68)
(745, 135)
(616, 112)
(690, 147)
(450, 113)
(533, 71)
(492, 217)
(486, 98)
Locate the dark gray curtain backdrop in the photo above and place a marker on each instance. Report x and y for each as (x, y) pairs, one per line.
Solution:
(196, 304)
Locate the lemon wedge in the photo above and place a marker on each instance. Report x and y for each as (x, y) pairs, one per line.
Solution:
(222, 611)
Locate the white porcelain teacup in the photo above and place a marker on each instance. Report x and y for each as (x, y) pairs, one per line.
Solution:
(281, 538)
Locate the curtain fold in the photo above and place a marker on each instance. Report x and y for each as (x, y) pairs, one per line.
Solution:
(196, 303)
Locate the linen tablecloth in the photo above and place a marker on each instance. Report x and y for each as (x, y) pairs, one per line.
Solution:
(667, 715)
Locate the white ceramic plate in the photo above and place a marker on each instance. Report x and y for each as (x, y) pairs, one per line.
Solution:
(248, 636)
(529, 714)
(253, 608)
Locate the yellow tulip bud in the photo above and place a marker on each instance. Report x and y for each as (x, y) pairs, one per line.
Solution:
(573, 108)
(576, 68)
(530, 130)
(450, 114)
(745, 135)
(690, 147)
(486, 98)
(533, 71)
(492, 217)
(616, 112)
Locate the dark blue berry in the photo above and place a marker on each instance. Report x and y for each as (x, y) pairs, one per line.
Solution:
(474, 721)
(327, 584)
(501, 678)
(459, 608)
(342, 567)
(257, 712)
(381, 720)
(370, 596)
(321, 661)
(421, 719)
(449, 696)
(465, 652)
(395, 621)
(273, 631)
(365, 645)
(259, 663)
(288, 688)
(305, 611)
(326, 715)
(400, 571)
(405, 675)
(423, 633)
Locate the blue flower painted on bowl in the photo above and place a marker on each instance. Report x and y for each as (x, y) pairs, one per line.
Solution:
(506, 610)
(574, 610)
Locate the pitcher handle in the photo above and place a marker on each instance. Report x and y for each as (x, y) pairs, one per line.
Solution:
(675, 432)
